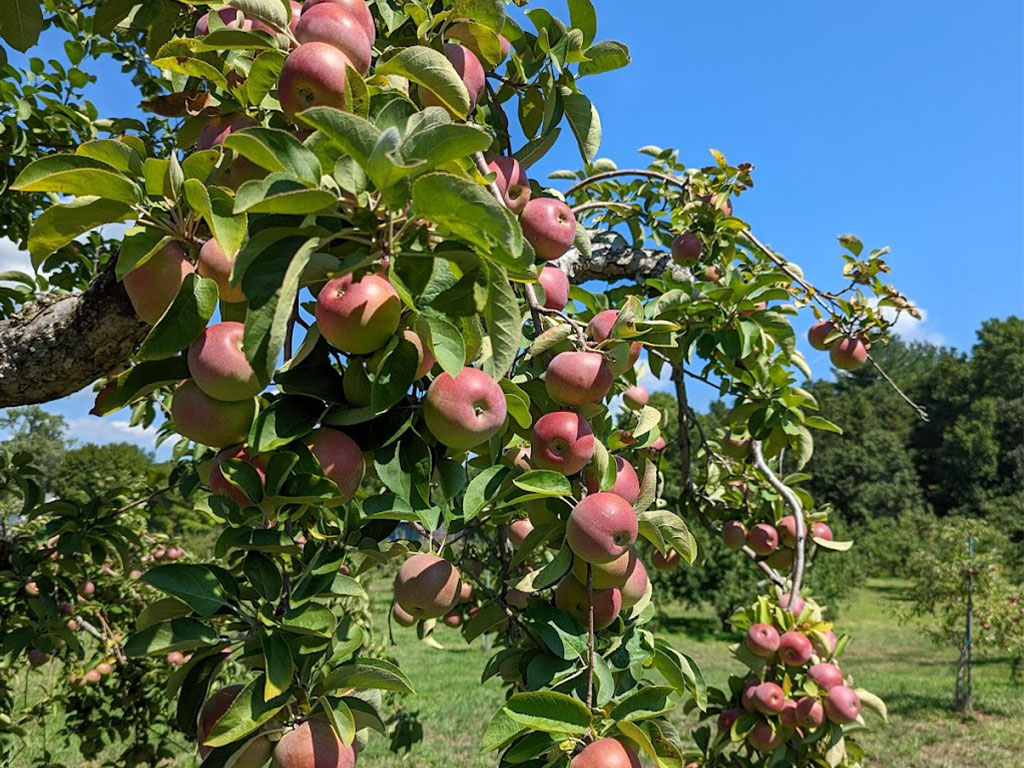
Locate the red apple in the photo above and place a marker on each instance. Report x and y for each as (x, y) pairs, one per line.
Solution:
(795, 649)
(217, 423)
(426, 586)
(601, 528)
(550, 227)
(606, 753)
(635, 587)
(606, 575)
(848, 354)
(578, 378)
(658, 445)
(214, 264)
(667, 562)
(788, 714)
(764, 738)
(219, 366)
(686, 249)
(763, 539)
(734, 534)
(762, 640)
(153, 286)
(357, 9)
(809, 713)
(358, 316)
(341, 459)
(600, 329)
(37, 658)
(786, 526)
(401, 616)
(313, 744)
(842, 705)
(313, 76)
(562, 442)
(635, 398)
(827, 676)
(468, 68)
(769, 698)
(332, 24)
(626, 485)
(797, 606)
(512, 183)
(821, 531)
(518, 531)
(727, 718)
(556, 287)
(219, 128)
(817, 334)
(464, 411)
(228, 15)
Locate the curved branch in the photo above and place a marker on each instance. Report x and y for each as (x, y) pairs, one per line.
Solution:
(798, 517)
(56, 346)
(615, 258)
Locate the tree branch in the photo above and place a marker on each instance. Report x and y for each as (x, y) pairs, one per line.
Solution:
(615, 258)
(56, 346)
(798, 517)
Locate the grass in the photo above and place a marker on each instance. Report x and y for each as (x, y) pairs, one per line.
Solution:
(894, 661)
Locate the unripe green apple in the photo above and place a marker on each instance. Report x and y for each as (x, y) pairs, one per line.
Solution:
(601, 528)
(464, 411)
(209, 421)
(152, 286)
(571, 597)
(358, 316)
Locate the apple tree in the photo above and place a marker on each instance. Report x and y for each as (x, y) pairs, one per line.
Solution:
(345, 300)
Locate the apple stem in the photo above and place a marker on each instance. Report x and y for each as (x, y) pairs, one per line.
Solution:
(590, 636)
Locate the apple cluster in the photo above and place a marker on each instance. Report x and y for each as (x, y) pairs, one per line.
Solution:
(795, 693)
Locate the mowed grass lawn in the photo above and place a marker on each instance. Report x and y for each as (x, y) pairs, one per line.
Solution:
(895, 661)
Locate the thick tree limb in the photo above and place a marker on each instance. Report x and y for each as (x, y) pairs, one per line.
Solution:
(798, 517)
(56, 346)
(614, 258)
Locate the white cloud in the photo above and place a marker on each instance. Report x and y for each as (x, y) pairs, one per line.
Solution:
(11, 258)
(911, 329)
(92, 429)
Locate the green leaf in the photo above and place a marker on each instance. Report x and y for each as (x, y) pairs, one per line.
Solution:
(287, 418)
(872, 702)
(76, 175)
(275, 12)
(549, 711)
(279, 665)
(217, 208)
(263, 75)
(370, 673)
(534, 581)
(353, 134)
(604, 57)
(447, 343)
(500, 731)
(247, 713)
(228, 39)
(817, 422)
(534, 150)
(116, 154)
(544, 482)
(681, 672)
(585, 123)
(643, 704)
(279, 193)
(504, 323)
(182, 56)
(164, 609)
(138, 381)
(196, 585)
(444, 143)
(263, 574)
(278, 151)
(395, 376)
(138, 246)
(468, 211)
(583, 17)
(483, 489)
(431, 70)
(174, 635)
(21, 23)
(183, 321)
(59, 224)
(666, 530)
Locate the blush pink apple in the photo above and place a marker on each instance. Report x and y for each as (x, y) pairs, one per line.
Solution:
(795, 649)
(842, 705)
(464, 411)
(512, 183)
(212, 422)
(219, 366)
(358, 316)
(571, 597)
(556, 287)
(626, 485)
(313, 75)
(214, 264)
(635, 398)
(470, 71)
(734, 534)
(763, 539)
(334, 25)
(848, 354)
(427, 586)
(762, 640)
(686, 249)
(818, 333)
(341, 459)
(153, 286)
(601, 528)
(578, 378)
(561, 442)
(549, 226)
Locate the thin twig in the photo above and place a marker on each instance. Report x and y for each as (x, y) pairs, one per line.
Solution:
(590, 636)
(921, 412)
(601, 204)
(682, 184)
(798, 516)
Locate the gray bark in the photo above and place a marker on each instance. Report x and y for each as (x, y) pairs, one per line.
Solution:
(614, 258)
(57, 345)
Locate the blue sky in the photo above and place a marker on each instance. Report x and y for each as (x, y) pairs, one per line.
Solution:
(899, 121)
